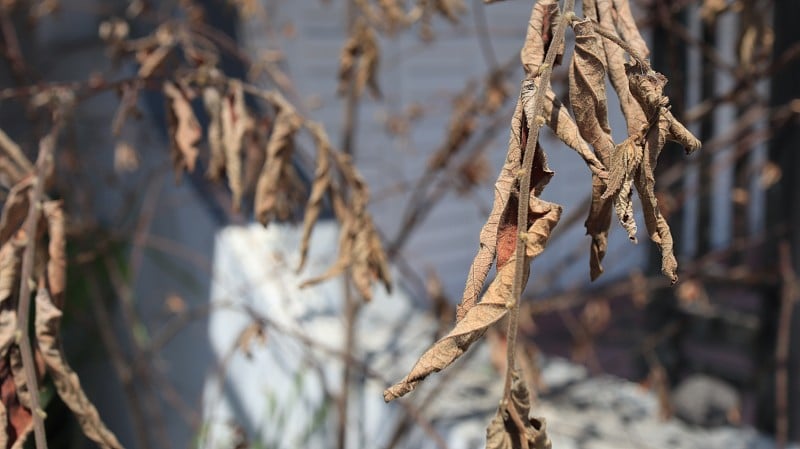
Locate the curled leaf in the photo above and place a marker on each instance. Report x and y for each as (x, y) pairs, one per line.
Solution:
(320, 185)
(279, 154)
(212, 99)
(359, 60)
(235, 123)
(184, 128)
(48, 319)
(544, 16)
(493, 305)
(589, 104)
(503, 431)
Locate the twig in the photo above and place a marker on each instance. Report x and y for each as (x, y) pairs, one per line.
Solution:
(544, 75)
(612, 36)
(43, 165)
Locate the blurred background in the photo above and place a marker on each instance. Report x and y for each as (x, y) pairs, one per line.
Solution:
(186, 321)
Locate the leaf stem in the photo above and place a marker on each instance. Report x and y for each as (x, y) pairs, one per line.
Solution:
(545, 72)
(612, 36)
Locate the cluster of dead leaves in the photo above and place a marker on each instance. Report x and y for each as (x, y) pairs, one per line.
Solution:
(392, 15)
(265, 146)
(602, 39)
(49, 278)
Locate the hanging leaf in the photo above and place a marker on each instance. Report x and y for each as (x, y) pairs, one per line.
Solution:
(48, 319)
(359, 61)
(544, 16)
(503, 431)
(588, 100)
(184, 129)
(235, 123)
(279, 154)
(494, 303)
(647, 87)
(320, 185)
(212, 99)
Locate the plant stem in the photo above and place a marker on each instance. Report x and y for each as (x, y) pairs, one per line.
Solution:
(44, 161)
(545, 72)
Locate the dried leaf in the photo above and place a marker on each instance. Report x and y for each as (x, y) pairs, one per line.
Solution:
(647, 87)
(359, 60)
(48, 320)
(18, 423)
(10, 260)
(625, 162)
(184, 128)
(279, 154)
(320, 185)
(494, 303)
(626, 26)
(15, 209)
(589, 104)
(487, 246)
(56, 251)
(615, 66)
(503, 431)
(235, 123)
(557, 118)
(544, 16)
(212, 99)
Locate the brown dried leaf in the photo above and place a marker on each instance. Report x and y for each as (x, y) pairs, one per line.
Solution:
(463, 121)
(544, 16)
(626, 26)
(589, 104)
(18, 422)
(56, 251)
(615, 66)
(494, 304)
(15, 209)
(212, 99)
(487, 246)
(449, 9)
(235, 123)
(558, 119)
(10, 260)
(184, 128)
(279, 154)
(647, 87)
(625, 162)
(503, 431)
(48, 320)
(359, 61)
(320, 185)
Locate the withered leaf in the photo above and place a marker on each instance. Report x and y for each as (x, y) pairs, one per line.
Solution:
(544, 16)
(279, 154)
(557, 118)
(184, 128)
(503, 431)
(48, 320)
(647, 87)
(589, 104)
(56, 250)
(626, 26)
(15, 209)
(359, 61)
(492, 307)
(615, 66)
(320, 185)
(235, 123)
(212, 99)
(487, 241)
(625, 162)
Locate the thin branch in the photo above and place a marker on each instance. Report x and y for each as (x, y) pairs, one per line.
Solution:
(546, 70)
(44, 164)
